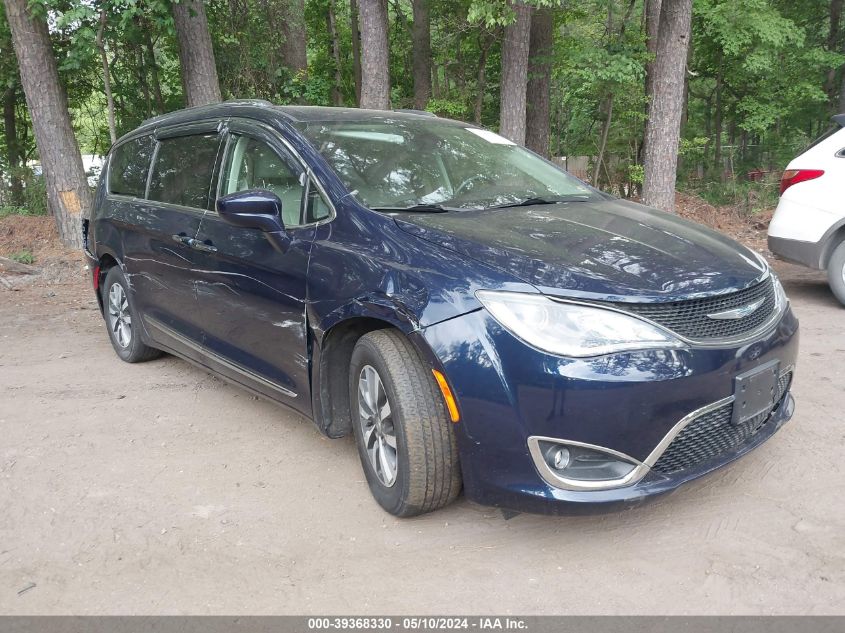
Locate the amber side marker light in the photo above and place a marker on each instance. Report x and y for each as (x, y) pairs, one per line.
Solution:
(451, 405)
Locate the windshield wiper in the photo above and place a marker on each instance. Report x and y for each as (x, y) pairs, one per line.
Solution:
(530, 202)
(419, 208)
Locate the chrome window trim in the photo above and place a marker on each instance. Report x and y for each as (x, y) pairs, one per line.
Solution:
(222, 127)
(642, 468)
(121, 197)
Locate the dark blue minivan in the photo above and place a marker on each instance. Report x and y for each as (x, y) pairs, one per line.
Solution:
(477, 317)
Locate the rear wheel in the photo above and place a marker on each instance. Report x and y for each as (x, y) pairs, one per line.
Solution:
(403, 432)
(122, 320)
(836, 272)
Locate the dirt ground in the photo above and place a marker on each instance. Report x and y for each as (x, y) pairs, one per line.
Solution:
(157, 488)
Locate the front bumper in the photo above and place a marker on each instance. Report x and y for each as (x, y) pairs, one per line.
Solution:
(628, 403)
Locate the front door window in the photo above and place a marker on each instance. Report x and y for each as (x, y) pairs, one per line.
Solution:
(253, 164)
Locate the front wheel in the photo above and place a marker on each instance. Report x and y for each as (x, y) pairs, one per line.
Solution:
(122, 320)
(836, 272)
(403, 432)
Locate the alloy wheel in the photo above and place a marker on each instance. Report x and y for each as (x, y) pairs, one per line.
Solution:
(120, 319)
(377, 428)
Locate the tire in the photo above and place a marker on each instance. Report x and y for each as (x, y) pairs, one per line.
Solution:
(836, 272)
(122, 320)
(426, 472)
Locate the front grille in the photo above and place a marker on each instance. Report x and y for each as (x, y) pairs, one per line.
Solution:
(689, 318)
(713, 434)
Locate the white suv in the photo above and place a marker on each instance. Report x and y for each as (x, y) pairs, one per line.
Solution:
(809, 224)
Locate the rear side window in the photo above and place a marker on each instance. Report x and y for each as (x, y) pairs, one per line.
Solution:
(130, 164)
(183, 170)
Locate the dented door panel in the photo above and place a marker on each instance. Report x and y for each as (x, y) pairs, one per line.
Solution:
(252, 301)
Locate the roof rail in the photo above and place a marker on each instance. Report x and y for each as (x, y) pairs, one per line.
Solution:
(259, 103)
(420, 112)
(839, 119)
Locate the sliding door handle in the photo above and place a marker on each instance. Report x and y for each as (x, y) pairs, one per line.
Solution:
(197, 245)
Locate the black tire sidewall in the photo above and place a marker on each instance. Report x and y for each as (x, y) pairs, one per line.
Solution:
(136, 348)
(392, 499)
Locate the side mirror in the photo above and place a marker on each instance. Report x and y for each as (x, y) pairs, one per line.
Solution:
(256, 209)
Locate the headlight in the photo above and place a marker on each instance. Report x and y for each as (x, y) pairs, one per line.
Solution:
(569, 329)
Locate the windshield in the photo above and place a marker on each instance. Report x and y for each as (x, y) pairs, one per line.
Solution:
(401, 163)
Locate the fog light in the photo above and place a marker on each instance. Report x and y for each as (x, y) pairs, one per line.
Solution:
(558, 457)
(576, 466)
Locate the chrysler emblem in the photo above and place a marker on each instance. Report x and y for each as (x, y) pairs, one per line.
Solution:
(737, 313)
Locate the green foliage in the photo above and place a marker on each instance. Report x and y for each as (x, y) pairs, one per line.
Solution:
(693, 148)
(311, 88)
(449, 108)
(492, 13)
(34, 198)
(766, 62)
(23, 257)
(746, 197)
(762, 76)
(636, 174)
(34, 195)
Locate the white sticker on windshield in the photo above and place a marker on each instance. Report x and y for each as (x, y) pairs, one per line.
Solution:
(490, 137)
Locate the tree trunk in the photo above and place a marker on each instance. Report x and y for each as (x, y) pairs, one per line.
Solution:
(143, 84)
(106, 77)
(538, 94)
(717, 133)
(484, 44)
(842, 95)
(832, 41)
(663, 127)
(334, 44)
(294, 55)
(375, 60)
(151, 62)
(68, 194)
(356, 48)
(515, 74)
(460, 65)
(652, 23)
(401, 20)
(196, 56)
(422, 53)
(13, 152)
(605, 131)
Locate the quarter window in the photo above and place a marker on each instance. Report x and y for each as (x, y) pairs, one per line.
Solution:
(252, 164)
(183, 170)
(130, 164)
(317, 208)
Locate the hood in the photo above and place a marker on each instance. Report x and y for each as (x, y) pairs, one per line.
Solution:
(611, 250)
